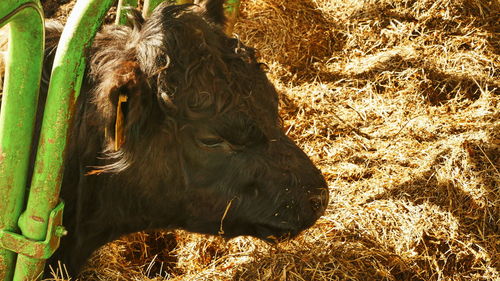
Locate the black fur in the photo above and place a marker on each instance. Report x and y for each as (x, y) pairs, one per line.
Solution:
(202, 131)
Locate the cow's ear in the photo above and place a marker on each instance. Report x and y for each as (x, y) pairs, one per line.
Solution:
(122, 96)
(213, 10)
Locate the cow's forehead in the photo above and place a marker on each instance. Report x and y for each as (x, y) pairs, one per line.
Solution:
(197, 58)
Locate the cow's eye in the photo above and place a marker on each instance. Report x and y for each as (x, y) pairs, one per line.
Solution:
(211, 142)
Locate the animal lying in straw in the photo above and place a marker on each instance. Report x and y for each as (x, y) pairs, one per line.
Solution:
(200, 147)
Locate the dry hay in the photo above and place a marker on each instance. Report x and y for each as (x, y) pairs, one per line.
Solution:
(398, 103)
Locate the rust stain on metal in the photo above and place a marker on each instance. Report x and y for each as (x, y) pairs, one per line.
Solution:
(38, 252)
(2, 155)
(54, 243)
(10, 243)
(3, 268)
(38, 219)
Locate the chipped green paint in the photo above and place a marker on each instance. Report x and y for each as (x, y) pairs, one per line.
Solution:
(17, 113)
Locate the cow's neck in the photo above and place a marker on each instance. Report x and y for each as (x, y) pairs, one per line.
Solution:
(98, 217)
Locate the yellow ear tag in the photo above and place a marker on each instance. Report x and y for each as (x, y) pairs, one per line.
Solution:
(119, 138)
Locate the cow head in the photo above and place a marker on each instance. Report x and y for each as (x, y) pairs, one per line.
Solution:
(192, 124)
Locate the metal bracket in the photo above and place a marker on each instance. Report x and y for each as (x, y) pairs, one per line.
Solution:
(17, 243)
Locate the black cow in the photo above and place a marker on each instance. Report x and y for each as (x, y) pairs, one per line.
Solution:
(177, 126)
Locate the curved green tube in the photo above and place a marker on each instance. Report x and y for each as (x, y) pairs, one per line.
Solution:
(17, 113)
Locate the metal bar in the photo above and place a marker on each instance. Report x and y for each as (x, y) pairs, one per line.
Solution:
(232, 11)
(17, 114)
(121, 10)
(149, 6)
(67, 73)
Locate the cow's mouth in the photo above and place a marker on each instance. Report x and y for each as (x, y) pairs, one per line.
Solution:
(269, 232)
(275, 234)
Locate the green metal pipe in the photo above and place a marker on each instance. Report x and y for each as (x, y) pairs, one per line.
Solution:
(232, 11)
(67, 73)
(121, 10)
(17, 114)
(149, 6)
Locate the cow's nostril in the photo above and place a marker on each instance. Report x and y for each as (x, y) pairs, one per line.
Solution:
(317, 204)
